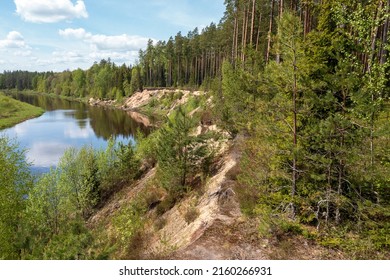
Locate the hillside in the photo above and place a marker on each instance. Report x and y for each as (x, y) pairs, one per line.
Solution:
(208, 222)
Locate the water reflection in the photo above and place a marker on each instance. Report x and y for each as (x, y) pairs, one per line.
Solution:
(68, 124)
(105, 122)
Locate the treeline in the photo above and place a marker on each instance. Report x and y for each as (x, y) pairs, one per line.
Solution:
(246, 36)
(103, 80)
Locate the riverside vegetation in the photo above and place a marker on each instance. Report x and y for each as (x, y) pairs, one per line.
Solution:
(304, 84)
(13, 111)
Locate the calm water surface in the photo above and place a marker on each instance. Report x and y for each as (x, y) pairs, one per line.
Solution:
(68, 124)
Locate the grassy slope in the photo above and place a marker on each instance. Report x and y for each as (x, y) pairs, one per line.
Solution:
(13, 111)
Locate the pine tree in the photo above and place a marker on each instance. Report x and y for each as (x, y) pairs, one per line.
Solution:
(180, 154)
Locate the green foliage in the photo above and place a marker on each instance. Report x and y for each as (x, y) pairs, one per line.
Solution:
(117, 165)
(13, 111)
(47, 207)
(127, 224)
(179, 153)
(234, 106)
(168, 203)
(71, 244)
(79, 177)
(340, 176)
(79, 83)
(15, 184)
(146, 147)
(61, 201)
(136, 82)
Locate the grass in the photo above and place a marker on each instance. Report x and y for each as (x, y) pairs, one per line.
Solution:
(13, 111)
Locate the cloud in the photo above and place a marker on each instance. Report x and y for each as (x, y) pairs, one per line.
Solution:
(79, 33)
(101, 42)
(68, 56)
(114, 56)
(14, 40)
(23, 53)
(49, 11)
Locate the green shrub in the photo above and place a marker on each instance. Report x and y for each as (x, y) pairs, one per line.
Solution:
(127, 222)
(166, 204)
(191, 214)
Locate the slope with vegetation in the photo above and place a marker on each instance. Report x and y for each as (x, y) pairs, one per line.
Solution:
(13, 111)
(302, 84)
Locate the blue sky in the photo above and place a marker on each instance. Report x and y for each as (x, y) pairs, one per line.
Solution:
(55, 35)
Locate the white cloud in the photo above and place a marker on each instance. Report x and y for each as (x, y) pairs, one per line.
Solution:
(114, 56)
(68, 56)
(70, 59)
(23, 53)
(121, 42)
(102, 42)
(14, 40)
(49, 11)
(119, 48)
(79, 33)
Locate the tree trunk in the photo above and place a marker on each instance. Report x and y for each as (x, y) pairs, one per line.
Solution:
(295, 112)
(253, 22)
(258, 33)
(271, 18)
(280, 8)
(328, 193)
(245, 38)
(243, 34)
(234, 41)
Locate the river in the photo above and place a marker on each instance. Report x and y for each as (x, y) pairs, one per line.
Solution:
(68, 124)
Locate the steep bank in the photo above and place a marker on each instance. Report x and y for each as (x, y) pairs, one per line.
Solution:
(172, 232)
(182, 225)
(207, 222)
(149, 106)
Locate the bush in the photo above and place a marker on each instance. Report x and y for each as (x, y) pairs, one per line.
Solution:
(15, 183)
(166, 204)
(127, 223)
(191, 214)
(117, 165)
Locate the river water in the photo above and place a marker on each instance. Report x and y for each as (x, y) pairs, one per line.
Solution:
(68, 124)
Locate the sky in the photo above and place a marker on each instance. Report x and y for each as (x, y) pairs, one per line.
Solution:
(57, 35)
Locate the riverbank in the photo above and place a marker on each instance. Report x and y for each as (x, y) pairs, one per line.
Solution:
(151, 106)
(148, 107)
(13, 111)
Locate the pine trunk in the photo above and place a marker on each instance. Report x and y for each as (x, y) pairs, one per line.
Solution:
(253, 22)
(271, 18)
(258, 33)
